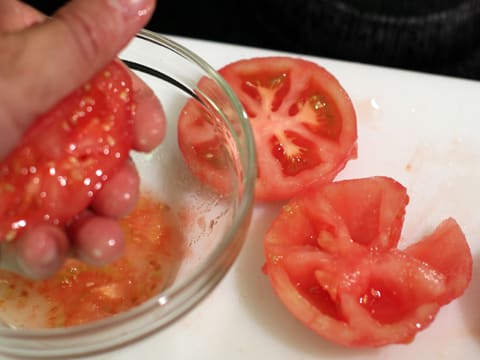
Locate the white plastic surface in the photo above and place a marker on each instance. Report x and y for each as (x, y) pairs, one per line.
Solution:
(424, 131)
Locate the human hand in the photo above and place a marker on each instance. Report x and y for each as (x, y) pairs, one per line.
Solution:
(79, 40)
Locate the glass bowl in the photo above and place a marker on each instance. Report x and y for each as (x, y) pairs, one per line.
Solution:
(211, 218)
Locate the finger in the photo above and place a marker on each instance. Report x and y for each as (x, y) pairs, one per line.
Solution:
(16, 15)
(38, 254)
(97, 240)
(149, 117)
(120, 194)
(79, 40)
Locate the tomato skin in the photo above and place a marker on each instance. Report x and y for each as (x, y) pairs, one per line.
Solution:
(350, 283)
(303, 121)
(68, 153)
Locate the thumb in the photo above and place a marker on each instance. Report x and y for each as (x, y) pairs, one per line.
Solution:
(43, 63)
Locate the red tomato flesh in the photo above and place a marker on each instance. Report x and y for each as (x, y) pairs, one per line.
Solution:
(67, 154)
(332, 259)
(303, 121)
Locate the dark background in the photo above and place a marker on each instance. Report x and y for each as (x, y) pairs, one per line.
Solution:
(436, 36)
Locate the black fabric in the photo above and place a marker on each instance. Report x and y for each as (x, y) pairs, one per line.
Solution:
(437, 36)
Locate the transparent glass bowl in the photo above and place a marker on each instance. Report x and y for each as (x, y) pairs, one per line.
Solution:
(217, 220)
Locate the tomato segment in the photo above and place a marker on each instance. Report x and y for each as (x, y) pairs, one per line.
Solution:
(67, 154)
(454, 260)
(292, 151)
(332, 258)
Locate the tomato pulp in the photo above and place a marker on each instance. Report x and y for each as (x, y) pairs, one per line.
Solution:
(67, 154)
(332, 258)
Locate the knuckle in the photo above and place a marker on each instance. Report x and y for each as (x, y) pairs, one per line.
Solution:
(13, 115)
(84, 33)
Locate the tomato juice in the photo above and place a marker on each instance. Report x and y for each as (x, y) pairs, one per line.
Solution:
(79, 293)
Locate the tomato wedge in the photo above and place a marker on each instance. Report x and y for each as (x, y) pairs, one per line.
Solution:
(303, 121)
(332, 258)
(453, 261)
(67, 154)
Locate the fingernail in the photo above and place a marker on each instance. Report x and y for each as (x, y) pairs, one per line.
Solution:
(133, 8)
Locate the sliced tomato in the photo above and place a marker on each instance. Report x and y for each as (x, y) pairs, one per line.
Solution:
(332, 258)
(67, 154)
(303, 122)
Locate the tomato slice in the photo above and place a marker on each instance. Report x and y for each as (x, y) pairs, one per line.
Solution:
(67, 154)
(332, 258)
(303, 122)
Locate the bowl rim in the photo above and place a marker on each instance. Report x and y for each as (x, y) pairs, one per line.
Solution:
(243, 212)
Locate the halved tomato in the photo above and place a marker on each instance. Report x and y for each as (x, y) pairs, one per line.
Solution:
(67, 154)
(303, 122)
(332, 258)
